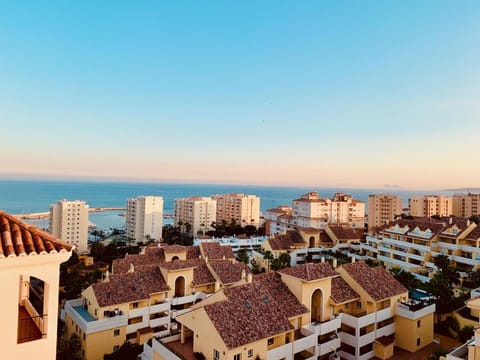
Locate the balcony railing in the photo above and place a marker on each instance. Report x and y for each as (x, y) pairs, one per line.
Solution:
(30, 328)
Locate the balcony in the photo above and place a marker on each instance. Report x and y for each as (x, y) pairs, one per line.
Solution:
(321, 328)
(359, 321)
(461, 353)
(329, 346)
(414, 309)
(385, 331)
(86, 322)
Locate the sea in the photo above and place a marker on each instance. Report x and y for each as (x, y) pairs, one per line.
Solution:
(30, 196)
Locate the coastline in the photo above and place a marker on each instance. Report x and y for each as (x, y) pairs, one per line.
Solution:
(44, 215)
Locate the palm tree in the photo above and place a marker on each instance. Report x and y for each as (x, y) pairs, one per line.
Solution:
(269, 257)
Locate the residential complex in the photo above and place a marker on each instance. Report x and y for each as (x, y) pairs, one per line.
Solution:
(244, 209)
(413, 243)
(429, 205)
(310, 211)
(145, 293)
(466, 205)
(29, 274)
(311, 311)
(195, 214)
(144, 218)
(69, 222)
(382, 209)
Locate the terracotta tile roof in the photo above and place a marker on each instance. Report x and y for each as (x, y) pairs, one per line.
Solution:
(324, 237)
(227, 272)
(280, 210)
(385, 340)
(254, 311)
(181, 264)
(154, 255)
(377, 282)
(310, 272)
(346, 232)
(474, 234)
(20, 239)
(202, 275)
(215, 251)
(436, 226)
(286, 241)
(131, 286)
(174, 248)
(193, 252)
(342, 292)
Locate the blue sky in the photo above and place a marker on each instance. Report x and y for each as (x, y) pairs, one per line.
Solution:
(321, 93)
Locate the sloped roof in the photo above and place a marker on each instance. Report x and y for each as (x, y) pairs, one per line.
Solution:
(342, 292)
(130, 286)
(215, 251)
(227, 272)
(377, 282)
(20, 239)
(254, 311)
(285, 241)
(310, 271)
(346, 232)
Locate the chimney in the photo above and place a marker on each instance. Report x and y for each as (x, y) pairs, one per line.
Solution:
(353, 260)
(107, 276)
(206, 259)
(450, 220)
(131, 269)
(217, 286)
(243, 274)
(323, 259)
(249, 278)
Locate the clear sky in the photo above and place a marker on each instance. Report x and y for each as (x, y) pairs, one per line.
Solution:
(320, 93)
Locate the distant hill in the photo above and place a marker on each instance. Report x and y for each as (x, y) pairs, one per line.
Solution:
(469, 189)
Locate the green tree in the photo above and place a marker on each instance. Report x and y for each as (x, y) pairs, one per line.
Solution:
(243, 256)
(255, 267)
(441, 285)
(405, 277)
(269, 257)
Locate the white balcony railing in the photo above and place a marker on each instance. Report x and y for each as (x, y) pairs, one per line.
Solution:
(162, 351)
(281, 352)
(329, 346)
(305, 343)
(385, 331)
(404, 311)
(325, 327)
(384, 314)
(358, 322)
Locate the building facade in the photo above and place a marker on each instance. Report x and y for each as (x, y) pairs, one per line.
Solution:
(382, 209)
(144, 219)
(312, 311)
(311, 211)
(69, 222)
(429, 205)
(244, 209)
(195, 214)
(29, 274)
(466, 205)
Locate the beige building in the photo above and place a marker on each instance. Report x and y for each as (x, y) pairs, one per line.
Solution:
(429, 205)
(144, 219)
(244, 209)
(195, 214)
(29, 274)
(382, 209)
(312, 311)
(466, 205)
(69, 222)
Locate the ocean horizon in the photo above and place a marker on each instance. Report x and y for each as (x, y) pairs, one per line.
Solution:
(29, 196)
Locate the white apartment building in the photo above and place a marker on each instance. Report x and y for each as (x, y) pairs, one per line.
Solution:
(429, 205)
(466, 205)
(244, 209)
(144, 219)
(382, 209)
(69, 222)
(311, 211)
(195, 214)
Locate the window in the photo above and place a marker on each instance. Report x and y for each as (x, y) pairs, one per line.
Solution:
(270, 341)
(237, 357)
(116, 332)
(250, 352)
(418, 323)
(135, 305)
(359, 305)
(116, 348)
(216, 355)
(418, 341)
